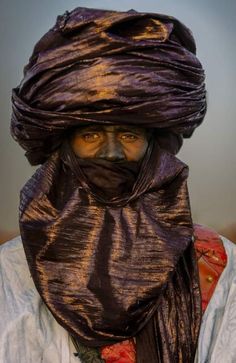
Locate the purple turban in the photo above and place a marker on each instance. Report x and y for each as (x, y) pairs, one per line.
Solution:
(108, 67)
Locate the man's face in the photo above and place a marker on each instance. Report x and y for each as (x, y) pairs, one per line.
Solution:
(112, 143)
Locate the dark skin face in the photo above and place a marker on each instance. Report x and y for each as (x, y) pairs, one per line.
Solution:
(112, 143)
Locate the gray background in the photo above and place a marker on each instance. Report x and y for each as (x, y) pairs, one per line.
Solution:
(210, 153)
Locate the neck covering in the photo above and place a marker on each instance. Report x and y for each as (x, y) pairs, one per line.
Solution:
(115, 267)
(109, 270)
(108, 178)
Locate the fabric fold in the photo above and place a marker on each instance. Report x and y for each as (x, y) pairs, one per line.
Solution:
(111, 267)
(106, 270)
(102, 67)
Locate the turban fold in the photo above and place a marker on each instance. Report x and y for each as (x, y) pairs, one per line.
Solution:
(108, 67)
(125, 268)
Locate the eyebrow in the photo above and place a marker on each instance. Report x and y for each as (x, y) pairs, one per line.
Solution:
(99, 128)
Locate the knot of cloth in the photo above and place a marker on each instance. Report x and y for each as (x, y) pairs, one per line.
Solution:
(108, 67)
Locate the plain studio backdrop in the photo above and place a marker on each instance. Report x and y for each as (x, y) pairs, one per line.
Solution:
(210, 153)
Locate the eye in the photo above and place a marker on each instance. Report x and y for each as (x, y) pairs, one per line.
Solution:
(90, 136)
(129, 137)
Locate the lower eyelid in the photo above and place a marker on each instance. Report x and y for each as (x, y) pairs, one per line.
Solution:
(129, 137)
(90, 136)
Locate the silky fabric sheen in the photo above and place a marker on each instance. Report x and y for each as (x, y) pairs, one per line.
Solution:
(109, 179)
(113, 270)
(108, 67)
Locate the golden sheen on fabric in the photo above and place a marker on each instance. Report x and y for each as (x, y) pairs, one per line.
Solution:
(114, 267)
(108, 67)
(112, 270)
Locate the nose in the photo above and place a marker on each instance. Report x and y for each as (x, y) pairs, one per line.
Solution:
(111, 150)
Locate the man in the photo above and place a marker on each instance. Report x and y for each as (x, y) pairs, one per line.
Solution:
(105, 221)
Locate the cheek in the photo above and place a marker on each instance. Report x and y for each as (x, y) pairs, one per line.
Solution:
(82, 149)
(136, 151)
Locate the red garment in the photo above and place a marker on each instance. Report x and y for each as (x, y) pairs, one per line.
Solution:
(123, 352)
(212, 259)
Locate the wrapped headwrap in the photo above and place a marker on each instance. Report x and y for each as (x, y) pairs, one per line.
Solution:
(111, 269)
(108, 67)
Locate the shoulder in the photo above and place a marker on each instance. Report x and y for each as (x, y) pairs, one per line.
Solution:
(214, 253)
(209, 243)
(12, 260)
(15, 280)
(12, 247)
(217, 265)
(12, 256)
(28, 331)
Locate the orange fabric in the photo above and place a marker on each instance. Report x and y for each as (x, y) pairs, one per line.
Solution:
(212, 259)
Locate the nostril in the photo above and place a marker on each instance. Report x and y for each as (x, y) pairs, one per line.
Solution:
(112, 156)
(111, 152)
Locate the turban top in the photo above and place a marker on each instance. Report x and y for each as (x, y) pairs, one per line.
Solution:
(108, 67)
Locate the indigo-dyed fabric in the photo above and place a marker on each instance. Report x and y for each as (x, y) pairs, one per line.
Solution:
(123, 266)
(109, 270)
(108, 67)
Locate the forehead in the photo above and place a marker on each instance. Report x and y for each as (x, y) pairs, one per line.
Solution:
(112, 128)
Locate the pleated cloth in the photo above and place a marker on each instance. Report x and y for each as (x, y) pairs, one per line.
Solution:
(108, 67)
(109, 270)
